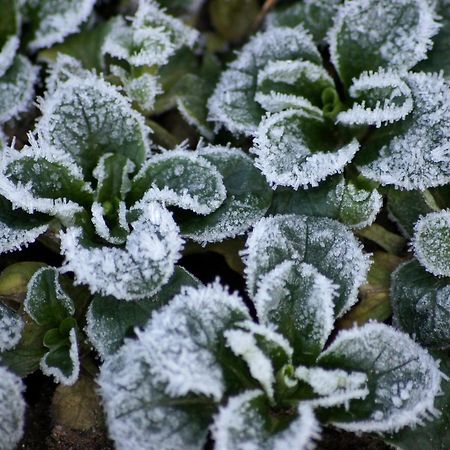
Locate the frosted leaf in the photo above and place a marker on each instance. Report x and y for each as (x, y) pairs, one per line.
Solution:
(292, 84)
(143, 90)
(431, 242)
(415, 153)
(323, 243)
(151, 39)
(294, 148)
(62, 69)
(300, 302)
(63, 362)
(46, 301)
(10, 22)
(109, 321)
(334, 387)
(87, 117)
(17, 88)
(12, 409)
(3, 139)
(134, 271)
(119, 233)
(139, 413)
(263, 349)
(315, 15)
(180, 178)
(383, 98)
(248, 198)
(7, 53)
(421, 304)
(244, 424)
(334, 198)
(11, 326)
(52, 20)
(403, 379)
(233, 102)
(368, 34)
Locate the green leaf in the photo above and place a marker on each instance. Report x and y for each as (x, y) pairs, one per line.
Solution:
(431, 242)
(300, 302)
(180, 178)
(334, 198)
(233, 102)
(316, 15)
(12, 409)
(323, 243)
(109, 321)
(248, 198)
(400, 35)
(421, 304)
(403, 379)
(295, 148)
(46, 302)
(433, 434)
(87, 118)
(51, 20)
(11, 326)
(10, 22)
(406, 207)
(247, 421)
(17, 88)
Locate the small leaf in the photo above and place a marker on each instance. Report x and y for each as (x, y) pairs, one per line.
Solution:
(11, 326)
(323, 243)
(109, 321)
(180, 178)
(421, 304)
(51, 21)
(295, 148)
(334, 198)
(15, 277)
(248, 197)
(46, 302)
(17, 88)
(403, 379)
(400, 36)
(12, 409)
(300, 302)
(431, 242)
(245, 423)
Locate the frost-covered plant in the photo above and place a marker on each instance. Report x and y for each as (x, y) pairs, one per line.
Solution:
(203, 364)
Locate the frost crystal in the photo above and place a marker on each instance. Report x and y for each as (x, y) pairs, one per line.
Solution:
(12, 409)
(133, 272)
(11, 326)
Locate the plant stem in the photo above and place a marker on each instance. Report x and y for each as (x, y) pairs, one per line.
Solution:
(268, 5)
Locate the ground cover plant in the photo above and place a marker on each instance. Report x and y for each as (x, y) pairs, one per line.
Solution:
(224, 224)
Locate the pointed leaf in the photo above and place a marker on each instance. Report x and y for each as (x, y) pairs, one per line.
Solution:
(322, 243)
(403, 379)
(248, 198)
(421, 304)
(11, 326)
(245, 423)
(12, 409)
(400, 35)
(294, 148)
(181, 178)
(300, 302)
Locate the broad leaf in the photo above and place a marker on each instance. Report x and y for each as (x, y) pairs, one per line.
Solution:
(295, 148)
(109, 321)
(421, 304)
(180, 178)
(248, 198)
(322, 243)
(245, 423)
(403, 379)
(12, 409)
(134, 271)
(300, 302)
(431, 242)
(11, 326)
(400, 35)
(17, 88)
(233, 102)
(334, 198)
(414, 153)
